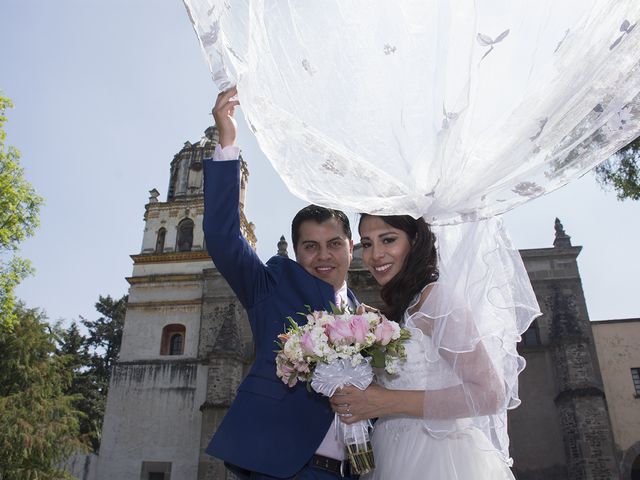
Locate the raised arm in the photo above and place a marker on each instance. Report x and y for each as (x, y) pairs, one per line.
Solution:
(233, 256)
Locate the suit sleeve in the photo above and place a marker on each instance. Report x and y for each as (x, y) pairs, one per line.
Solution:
(234, 258)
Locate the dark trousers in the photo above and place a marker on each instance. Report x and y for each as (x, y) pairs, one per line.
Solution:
(307, 473)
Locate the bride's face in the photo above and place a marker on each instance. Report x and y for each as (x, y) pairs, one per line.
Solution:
(384, 248)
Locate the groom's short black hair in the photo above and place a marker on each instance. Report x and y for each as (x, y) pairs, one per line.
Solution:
(319, 215)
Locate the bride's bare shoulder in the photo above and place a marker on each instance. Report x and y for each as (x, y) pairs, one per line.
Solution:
(423, 297)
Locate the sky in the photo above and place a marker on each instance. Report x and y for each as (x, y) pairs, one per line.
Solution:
(106, 92)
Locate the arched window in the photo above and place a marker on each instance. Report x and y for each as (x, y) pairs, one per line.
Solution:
(185, 235)
(173, 336)
(160, 240)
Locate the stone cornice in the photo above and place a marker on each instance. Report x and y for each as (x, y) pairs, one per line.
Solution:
(194, 201)
(167, 278)
(557, 277)
(577, 393)
(572, 252)
(164, 304)
(170, 257)
(170, 359)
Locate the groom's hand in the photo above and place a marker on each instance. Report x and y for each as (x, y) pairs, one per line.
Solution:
(223, 112)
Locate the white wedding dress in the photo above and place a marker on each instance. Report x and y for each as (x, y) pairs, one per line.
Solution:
(405, 449)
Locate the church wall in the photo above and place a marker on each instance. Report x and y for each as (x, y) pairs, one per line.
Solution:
(227, 345)
(186, 266)
(536, 437)
(569, 381)
(153, 415)
(180, 287)
(82, 466)
(143, 331)
(157, 301)
(536, 442)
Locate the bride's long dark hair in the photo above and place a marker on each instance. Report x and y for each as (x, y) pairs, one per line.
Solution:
(420, 267)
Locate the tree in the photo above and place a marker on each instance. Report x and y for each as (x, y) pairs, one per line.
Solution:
(19, 217)
(84, 386)
(622, 172)
(105, 335)
(91, 359)
(39, 427)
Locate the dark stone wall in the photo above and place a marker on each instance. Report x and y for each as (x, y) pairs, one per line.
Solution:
(562, 429)
(226, 347)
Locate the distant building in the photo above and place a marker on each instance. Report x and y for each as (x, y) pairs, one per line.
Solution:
(618, 345)
(187, 345)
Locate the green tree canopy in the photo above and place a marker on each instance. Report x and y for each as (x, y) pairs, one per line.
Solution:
(105, 334)
(621, 172)
(84, 386)
(39, 427)
(19, 217)
(91, 358)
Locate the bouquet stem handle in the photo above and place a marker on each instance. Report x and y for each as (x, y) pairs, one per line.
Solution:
(357, 444)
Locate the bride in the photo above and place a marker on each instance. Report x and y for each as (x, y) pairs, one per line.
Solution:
(443, 415)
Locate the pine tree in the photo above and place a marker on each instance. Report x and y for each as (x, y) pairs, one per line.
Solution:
(83, 386)
(39, 426)
(105, 334)
(91, 359)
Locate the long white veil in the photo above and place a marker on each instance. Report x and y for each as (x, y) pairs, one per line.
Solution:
(455, 110)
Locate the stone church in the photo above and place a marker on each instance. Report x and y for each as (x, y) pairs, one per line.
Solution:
(187, 345)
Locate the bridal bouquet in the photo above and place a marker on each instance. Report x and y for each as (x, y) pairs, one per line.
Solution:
(339, 348)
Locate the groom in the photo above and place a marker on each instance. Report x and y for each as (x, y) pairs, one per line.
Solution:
(271, 430)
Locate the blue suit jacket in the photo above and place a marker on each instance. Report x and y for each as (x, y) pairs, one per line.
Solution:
(270, 428)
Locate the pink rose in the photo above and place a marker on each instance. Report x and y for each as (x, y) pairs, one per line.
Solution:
(307, 343)
(284, 371)
(384, 332)
(302, 367)
(360, 328)
(339, 332)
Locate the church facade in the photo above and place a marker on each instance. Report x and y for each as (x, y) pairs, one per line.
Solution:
(187, 345)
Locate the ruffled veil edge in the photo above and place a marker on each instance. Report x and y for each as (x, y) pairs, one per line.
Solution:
(471, 321)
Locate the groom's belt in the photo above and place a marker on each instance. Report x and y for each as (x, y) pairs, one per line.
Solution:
(339, 468)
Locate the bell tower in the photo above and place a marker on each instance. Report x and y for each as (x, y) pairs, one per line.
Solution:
(186, 342)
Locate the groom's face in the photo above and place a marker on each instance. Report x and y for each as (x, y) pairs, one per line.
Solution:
(324, 250)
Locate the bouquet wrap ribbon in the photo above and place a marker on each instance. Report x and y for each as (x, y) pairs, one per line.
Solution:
(329, 377)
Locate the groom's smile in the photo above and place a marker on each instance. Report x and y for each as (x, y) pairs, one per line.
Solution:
(324, 250)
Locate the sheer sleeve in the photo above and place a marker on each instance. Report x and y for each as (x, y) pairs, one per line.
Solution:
(470, 324)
